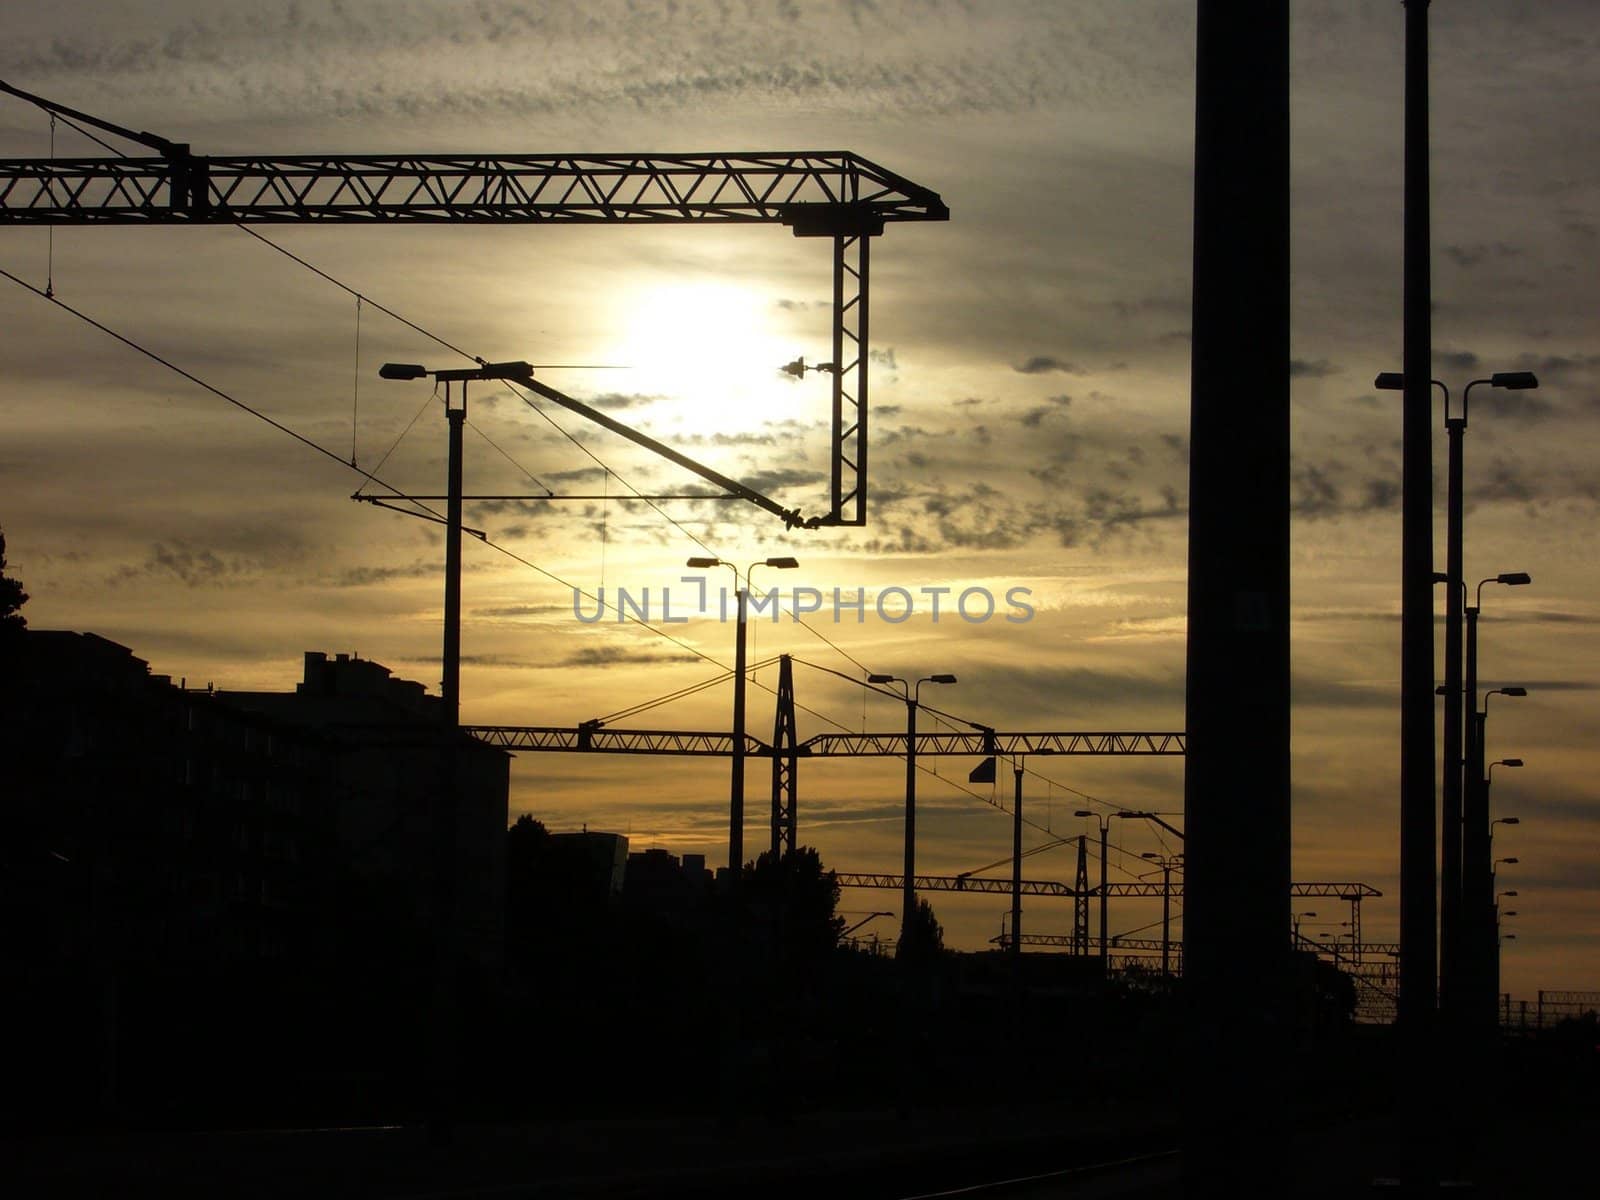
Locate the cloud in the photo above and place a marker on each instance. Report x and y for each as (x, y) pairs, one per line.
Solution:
(187, 563)
(1043, 364)
(365, 576)
(1456, 360)
(609, 656)
(1467, 256)
(776, 478)
(617, 401)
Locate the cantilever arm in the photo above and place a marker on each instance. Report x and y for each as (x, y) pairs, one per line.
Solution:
(791, 517)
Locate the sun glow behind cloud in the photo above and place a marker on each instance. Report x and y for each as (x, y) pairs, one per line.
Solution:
(709, 347)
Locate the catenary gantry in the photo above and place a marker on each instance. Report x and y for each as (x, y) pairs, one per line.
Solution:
(582, 738)
(816, 193)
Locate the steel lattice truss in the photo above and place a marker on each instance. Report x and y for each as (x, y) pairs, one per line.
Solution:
(614, 741)
(828, 193)
(1046, 887)
(978, 744)
(823, 745)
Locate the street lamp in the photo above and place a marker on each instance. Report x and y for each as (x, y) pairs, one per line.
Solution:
(450, 685)
(446, 806)
(1016, 852)
(1489, 778)
(736, 782)
(1477, 900)
(912, 693)
(1296, 918)
(1452, 893)
(1166, 863)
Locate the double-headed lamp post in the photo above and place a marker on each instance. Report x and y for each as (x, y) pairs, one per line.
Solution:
(736, 783)
(912, 692)
(1453, 894)
(1296, 919)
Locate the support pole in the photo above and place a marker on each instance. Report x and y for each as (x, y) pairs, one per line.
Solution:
(1477, 871)
(1236, 777)
(736, 782)
(1451, 926)
(908, 900)
(1418, 909)
(1016, 865)
(450, 687)
(1105, 945)
(1166, 920)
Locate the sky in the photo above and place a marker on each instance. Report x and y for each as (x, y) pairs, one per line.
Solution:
(1029, 402)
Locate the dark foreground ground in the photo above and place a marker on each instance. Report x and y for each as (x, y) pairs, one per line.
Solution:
(1526, 1127)
(1042, 1152)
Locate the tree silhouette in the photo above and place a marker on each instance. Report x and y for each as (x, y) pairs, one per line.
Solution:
(12, 598)
(799, 897)
(923, 941)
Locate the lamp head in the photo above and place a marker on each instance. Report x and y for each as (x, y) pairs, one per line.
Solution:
(402, 370)
(942, 678)
(703, 563)
(1083, 812)
(1516, 381)
(797, 368)
(784, 564)
(1514, 578)
(880, 678)
(1508, 762)
(1510, 820)
(1513, 691)
(1390, 381)
(1510, 862)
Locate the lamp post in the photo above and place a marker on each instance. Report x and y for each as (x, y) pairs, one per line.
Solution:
(1105, 823)
(1296, 919)
(912, 694)
(456, 415)
(1166, 863)
(1475, 894)
(736, 781)
(1016, 853)
(1451, 793)
(1498, 936)
(445, 805)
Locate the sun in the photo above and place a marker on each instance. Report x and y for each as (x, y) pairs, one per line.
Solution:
(710, 351)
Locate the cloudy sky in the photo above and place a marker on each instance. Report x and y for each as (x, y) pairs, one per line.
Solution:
(1029, 398)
